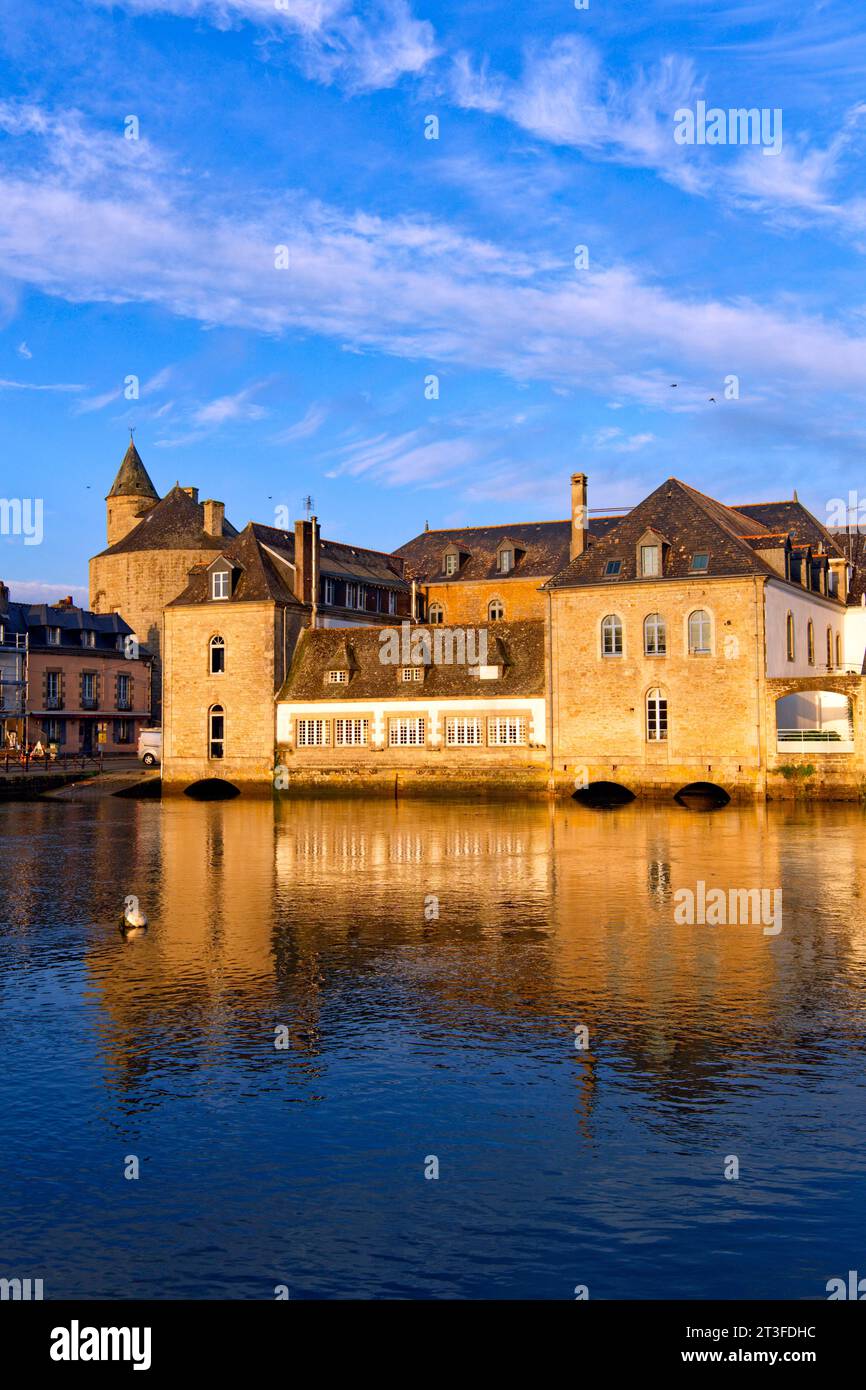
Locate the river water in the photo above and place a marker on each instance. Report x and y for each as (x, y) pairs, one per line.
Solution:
(411, 1040)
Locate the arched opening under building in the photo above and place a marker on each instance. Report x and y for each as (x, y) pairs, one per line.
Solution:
(212, 789)
(814, 721)
(702, 796)
(603, 796)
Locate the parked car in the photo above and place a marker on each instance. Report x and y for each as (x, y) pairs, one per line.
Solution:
(150, 746)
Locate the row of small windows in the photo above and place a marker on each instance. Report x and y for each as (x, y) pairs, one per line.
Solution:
(834, 645)
(655, 634)
(410, 731)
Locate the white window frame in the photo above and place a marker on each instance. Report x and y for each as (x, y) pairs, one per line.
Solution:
(656, 716)
(700, 650)
(214, 741)
(392, 601)
(655, 628)
(351, 732)
(216, 643)
(329, 591)
(412, 673)
(338, 678)
(450, 563)
(220, 585)
(617, 627)
(407, 731)
(505, 560)
(436, 615)
(53, 636)
(506, 730)
(463, 731)
(500, 606)
(312, 733)
(650, 569)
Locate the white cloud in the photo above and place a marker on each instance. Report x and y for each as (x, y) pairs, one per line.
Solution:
(127, 231)
(36, 386)
(36, 591)
(363, 47)
(24, 351)
(309, 424)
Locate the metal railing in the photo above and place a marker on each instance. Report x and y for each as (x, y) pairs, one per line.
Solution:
(54, 702)
(813, 736)
(89, 702)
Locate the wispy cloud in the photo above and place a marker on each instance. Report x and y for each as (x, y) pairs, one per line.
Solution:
(309, 424)
(363, 47)
(24, 351)
(39, 386)
(231, 408)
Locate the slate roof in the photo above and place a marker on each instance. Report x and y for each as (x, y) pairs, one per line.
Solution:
(853, 546)
(175, 523)
(34, 618)
(132, 478)
(546, 545)
(319, 650)
(792, 517)
(260, 576)
(691, 522)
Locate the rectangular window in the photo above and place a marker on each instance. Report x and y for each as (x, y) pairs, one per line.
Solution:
(613, 567)
(506, 561)
(123, 701)
(700, 560)
(219, 584)
(351, 733)
(412, 673)
(52, 689)
(88, 639)
(450, 564)
(392, 601)
(329, 591)
(313, 733)
(122, 731)
(338, 677)
(404, 733)
(351, 595)
(54, 637)
(656, 718)
(506, 730)
(463, 732)
(88, 690)
(649, 560)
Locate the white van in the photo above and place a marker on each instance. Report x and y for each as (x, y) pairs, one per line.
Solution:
(150, 746)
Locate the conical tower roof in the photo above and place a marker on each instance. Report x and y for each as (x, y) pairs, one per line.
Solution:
(132, 477)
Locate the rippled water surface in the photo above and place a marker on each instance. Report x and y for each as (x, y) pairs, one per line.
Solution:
(412, 1036)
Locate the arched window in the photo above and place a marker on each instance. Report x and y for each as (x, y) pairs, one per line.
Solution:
(216, 733)
(790, 638)
(436, 613)
(495, 610)
(656, 716)
(700, 633)
(655, 638)
(611, 635)
(810, 642)
(838, 649)
(217, 656)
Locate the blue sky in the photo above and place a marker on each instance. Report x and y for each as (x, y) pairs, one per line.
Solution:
(301, 123)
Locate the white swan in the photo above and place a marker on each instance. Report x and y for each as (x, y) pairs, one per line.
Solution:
(133, 919)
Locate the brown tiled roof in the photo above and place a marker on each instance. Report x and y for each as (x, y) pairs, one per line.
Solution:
(340, 561)
(520, 645)
(132, 478)
(792, 517)
(690, 522)
(175, 523)
(259, 577)
(546, 545)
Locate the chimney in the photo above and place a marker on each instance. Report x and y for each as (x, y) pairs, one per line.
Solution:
(303, 561)
(579, 515)
(214, 514)
(64, 602)
(191, 492)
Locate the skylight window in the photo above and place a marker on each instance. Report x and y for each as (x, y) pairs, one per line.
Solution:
(700, 560)
(613, 567)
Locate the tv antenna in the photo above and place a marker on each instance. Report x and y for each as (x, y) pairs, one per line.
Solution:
(309, 505)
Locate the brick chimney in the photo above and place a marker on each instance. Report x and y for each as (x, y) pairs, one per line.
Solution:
(214, 514)
(304, 561)
(191, 492)
(579, 515)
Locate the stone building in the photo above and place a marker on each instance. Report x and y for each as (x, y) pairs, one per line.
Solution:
(230, 636)
(678, 640)
(433, 710)
(481, 574)
(153, 543)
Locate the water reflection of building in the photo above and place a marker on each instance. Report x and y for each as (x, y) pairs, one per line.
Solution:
(317, 916)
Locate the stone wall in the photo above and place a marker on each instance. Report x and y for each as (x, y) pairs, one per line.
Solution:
(256, 646)
(468, 602)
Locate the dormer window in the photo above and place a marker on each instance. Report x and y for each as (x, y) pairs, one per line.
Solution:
(649, 561)
(54, 637)
(451, 562)
(505, 560)
(88, 638)
(220, 584)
